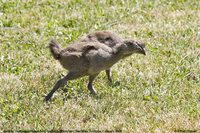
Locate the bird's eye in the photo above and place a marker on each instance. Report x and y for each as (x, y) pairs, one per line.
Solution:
(108, 39)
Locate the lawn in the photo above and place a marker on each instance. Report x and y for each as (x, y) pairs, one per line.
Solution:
(159, 92)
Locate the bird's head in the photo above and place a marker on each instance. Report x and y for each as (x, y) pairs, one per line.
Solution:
(131, 46)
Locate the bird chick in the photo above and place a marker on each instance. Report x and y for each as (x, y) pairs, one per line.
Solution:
(89, 59)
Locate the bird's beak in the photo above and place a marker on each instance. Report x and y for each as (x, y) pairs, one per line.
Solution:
(141, 50)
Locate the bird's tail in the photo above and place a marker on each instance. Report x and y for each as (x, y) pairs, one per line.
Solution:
(55, 49)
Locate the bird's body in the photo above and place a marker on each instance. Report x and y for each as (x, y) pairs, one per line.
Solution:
(86, 57)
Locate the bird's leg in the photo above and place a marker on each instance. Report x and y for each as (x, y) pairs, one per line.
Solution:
(108, 73)
(69, 76)
(90, 86)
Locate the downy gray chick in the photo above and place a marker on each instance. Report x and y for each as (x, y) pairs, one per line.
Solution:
(90, 58)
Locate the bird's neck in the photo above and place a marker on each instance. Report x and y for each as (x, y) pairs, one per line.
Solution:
(118, 51)
(117, 54)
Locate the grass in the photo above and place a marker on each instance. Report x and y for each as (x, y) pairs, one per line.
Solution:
(159, 92)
